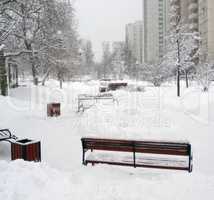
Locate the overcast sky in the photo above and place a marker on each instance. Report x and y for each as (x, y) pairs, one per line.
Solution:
(105, 20)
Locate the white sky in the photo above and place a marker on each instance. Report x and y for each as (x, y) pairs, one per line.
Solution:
(105, 20)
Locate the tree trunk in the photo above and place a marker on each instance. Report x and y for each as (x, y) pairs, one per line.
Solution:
(46, 76)
(35, 78)
(3, 75)
(60, 78)
(28, 45)
(178, 82)
(33, 65)
(187, 80)
(60, 83)
(205, 89)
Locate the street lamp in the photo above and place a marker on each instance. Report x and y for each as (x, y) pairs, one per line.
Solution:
(178, 21)
(136, 70)
(178, 69)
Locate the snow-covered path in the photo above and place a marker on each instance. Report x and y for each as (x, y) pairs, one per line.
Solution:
(155, 114)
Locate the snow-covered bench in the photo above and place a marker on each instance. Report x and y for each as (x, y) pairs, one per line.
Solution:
(5, 135)
(84, 98)
(150, 154)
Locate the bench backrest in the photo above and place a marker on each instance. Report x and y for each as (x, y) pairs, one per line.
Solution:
(114, 86)
(5, 134)
(154, 147)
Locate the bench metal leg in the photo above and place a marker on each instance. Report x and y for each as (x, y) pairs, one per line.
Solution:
(190, 163)
(83, 157)
(134, 156)
(134, 160)
(190, 158)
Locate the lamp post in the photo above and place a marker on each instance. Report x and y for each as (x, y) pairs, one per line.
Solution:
(178, 31)
(178, 69)
(136, 69)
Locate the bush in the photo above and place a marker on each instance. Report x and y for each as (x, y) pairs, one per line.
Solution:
(136, 88)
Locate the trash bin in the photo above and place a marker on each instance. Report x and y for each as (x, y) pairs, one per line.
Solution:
(53, 109)
(26, 149)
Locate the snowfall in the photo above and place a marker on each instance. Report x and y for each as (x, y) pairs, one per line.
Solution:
(154, 113)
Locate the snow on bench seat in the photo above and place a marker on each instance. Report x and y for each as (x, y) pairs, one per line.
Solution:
(141, 159)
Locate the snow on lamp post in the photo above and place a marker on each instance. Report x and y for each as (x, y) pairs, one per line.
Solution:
(178, 69)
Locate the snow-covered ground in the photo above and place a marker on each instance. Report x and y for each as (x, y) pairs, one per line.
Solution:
(154, 114)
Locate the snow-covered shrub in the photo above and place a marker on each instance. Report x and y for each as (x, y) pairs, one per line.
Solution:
(156, 73)
(136, 88)
(205, 75)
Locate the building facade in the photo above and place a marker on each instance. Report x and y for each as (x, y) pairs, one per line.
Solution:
(206, 29)
(193, 14)
(134, 40)
(155, 27)
(188, 12)
(199, 15)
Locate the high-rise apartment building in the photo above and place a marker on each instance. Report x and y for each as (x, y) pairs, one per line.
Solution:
(134, 40)
(184, 15)
(206, 28)
(199, 15)
(155, 26)
(193, 15)
(185, 12)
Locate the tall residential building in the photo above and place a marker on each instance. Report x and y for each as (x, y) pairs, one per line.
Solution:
(134, 40)
(155, 26)
(206, 28)
(184, 13)
(199, 15)
(193, 15)
(188, 12)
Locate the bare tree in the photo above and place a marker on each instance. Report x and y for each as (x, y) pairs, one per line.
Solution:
(60, 47)
(106, 64)
(87, 58)
(38, 24)
(156, 73)
(27, 14)
(129, 62)
(205, 75)
(118, 59)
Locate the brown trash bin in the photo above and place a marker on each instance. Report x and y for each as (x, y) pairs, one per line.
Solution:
(26, 149)
(53, 110)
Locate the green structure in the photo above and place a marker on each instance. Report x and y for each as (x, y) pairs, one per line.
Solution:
(3, 75)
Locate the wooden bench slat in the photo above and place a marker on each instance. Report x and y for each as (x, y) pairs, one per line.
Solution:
(138, 143)
(141, 148)
(137, 165)
(127, 140)
(142, 145)
(155, 151)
